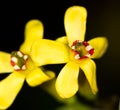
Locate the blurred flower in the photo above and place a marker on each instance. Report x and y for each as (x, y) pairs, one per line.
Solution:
(73, 50)
(22, 66)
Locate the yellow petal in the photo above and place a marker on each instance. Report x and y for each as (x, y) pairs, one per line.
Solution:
(5, 65)
(75, 23)
(33, 31)
(89, 68)
(37, 77)
(9, 88)
(67, 80)
(49, 52)
(100, 45)
(62, 39)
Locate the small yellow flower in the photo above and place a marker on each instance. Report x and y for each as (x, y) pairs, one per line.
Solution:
(22, 66)
(72, 50)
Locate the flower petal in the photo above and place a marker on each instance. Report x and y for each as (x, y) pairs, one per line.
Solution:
(100, 45)
(67, 80)
(49, 52)
(89, 68)
(9, 88)
(62, 39)
(5, 65)
(75, 23)
(33, 31)
(37, 76)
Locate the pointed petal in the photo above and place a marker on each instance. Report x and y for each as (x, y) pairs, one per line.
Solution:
(89, 68)
(49, 52)
(67, 80)
(33, 31)
(75, 23)
(9, 88)
(100, 45)
(5, 65)
(62, 39)
(37, 77)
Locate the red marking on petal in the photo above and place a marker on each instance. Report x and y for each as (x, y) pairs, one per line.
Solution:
(91, 51)
(12, 63)
(85, 43)
(75, 42)
(83, 57)
(76, 52)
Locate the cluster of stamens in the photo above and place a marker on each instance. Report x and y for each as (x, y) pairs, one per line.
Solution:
(82, 49)
(18, 60)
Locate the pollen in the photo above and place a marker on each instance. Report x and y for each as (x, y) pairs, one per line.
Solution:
(82, 49)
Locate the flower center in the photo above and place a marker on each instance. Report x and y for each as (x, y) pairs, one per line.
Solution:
(18, 60)
(82, 49)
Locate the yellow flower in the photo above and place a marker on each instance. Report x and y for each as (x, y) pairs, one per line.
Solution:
(72, 50)
(22, 66)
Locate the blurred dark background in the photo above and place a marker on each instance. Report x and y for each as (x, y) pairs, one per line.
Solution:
(103, 20)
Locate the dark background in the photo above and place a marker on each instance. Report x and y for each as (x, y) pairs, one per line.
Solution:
(103, 20)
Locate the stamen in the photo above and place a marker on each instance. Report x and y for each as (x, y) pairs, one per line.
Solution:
(88, 55)
(25, 57)
(73, 47)
(18, 60)
(89, 47)
(23, 67)
(16, 67)
(19, 54)
(82, 49)
(77, 56)
(14, 59)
